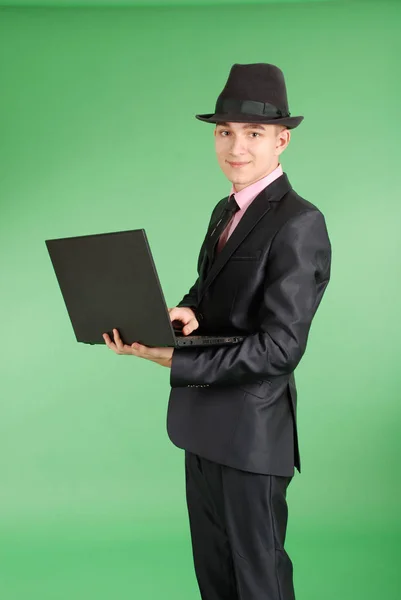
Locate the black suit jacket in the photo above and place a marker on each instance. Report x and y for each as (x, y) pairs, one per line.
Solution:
(236, 405)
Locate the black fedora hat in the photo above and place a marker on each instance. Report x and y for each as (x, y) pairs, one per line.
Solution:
(253, 93)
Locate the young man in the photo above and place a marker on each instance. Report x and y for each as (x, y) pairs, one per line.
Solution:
(263, 268)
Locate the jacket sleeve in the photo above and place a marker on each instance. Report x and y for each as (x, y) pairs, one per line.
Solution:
(298, 272)
(191, 298)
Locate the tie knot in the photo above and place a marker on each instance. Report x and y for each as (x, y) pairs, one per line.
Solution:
(232, 205)
(225, 217)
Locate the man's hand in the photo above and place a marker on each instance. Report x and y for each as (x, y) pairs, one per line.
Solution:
(162, 356)
(187, 316)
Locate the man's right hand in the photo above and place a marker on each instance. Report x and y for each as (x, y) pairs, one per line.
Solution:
(187, 317)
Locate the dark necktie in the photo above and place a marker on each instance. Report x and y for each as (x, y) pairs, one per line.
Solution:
(230, 209)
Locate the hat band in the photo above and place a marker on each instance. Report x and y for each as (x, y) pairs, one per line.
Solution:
(250, 107)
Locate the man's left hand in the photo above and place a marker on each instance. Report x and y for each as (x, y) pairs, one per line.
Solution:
(162, 356)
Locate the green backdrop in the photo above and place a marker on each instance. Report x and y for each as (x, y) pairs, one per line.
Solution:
(98, 134)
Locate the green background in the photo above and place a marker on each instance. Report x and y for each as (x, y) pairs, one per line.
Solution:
(98, 134)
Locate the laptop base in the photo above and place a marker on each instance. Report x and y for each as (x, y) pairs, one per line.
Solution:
(206, 340)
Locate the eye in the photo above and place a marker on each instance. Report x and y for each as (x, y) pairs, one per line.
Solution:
(225, 131)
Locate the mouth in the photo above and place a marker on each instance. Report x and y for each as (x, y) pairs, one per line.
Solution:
(237, 165)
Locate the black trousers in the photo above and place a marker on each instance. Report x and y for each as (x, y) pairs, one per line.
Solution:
(238, 523)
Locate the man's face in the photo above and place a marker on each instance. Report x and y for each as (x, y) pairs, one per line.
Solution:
(256, 144)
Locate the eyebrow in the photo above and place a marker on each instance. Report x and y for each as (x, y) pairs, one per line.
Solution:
(245, 126)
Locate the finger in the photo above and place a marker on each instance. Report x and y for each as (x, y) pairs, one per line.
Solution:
(175, 313)
(141, 350)
(190, 326)
(109, 343)
(117, 340)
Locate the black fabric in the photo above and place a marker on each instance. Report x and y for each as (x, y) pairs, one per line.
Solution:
(238, 523)
(267, 283)
(249, 106)
(253, 93)
(229, 210)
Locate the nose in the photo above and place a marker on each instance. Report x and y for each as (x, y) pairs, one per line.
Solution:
(237, 147)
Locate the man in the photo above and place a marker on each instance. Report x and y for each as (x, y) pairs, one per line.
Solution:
(263, 268)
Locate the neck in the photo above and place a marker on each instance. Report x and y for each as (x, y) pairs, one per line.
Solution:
(239, 187)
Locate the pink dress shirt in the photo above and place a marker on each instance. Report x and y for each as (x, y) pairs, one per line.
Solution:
(244, 199)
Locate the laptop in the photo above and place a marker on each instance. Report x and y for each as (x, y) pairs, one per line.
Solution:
(109, 280)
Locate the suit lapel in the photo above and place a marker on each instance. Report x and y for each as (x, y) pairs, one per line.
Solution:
(255, 211)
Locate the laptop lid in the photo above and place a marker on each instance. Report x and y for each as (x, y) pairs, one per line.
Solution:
(109, 280)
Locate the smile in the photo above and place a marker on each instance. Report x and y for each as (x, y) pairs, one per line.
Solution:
(237, 165)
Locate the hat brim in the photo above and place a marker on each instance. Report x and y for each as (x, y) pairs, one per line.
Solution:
(290, 122)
